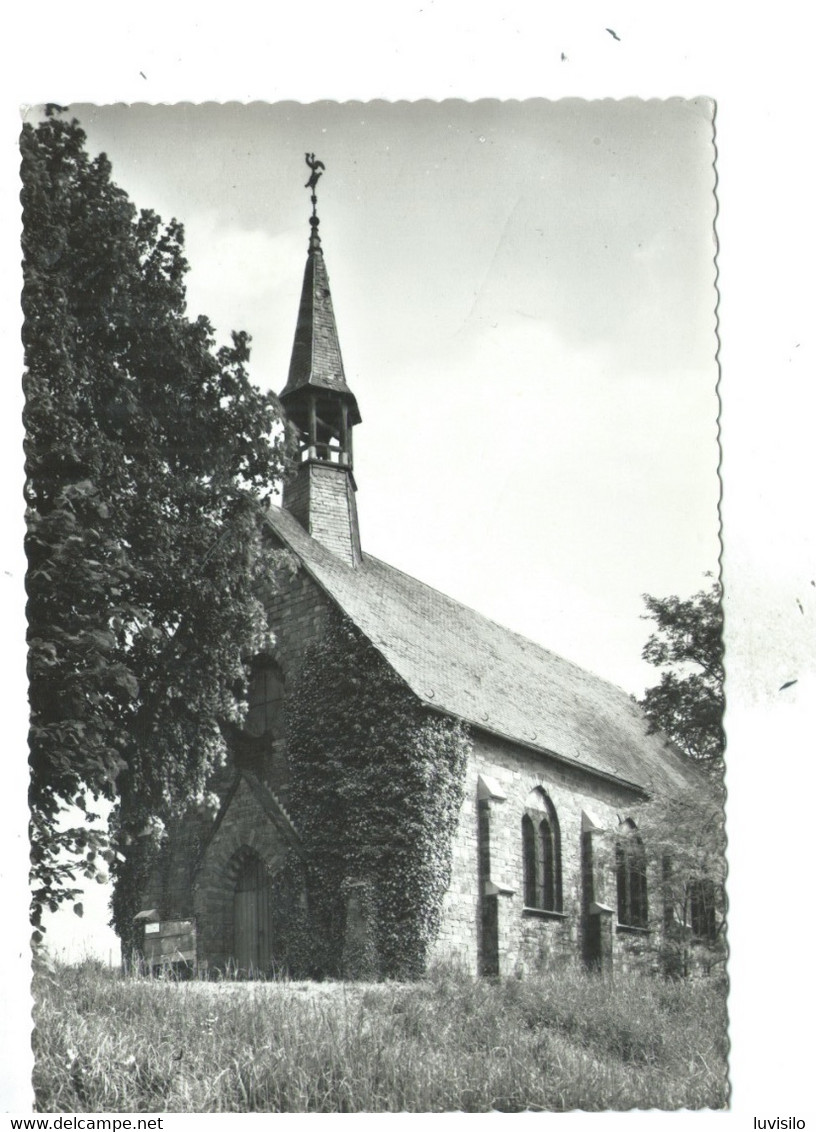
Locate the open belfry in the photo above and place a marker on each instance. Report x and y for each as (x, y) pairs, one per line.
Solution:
(542, 861)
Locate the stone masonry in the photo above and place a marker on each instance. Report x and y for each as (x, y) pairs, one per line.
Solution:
(321, 498)
(246, 825)
(500, 777)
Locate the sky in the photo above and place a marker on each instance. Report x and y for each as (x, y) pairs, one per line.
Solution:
(760, 73)
(525, 298)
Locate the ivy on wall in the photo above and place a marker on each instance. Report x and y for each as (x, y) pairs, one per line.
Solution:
(377, 785)
(296, 951)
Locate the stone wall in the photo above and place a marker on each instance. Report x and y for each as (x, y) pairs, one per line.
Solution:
(321, 497)
(246, 825)
(485, 913)
(193, 880)
(298, 614)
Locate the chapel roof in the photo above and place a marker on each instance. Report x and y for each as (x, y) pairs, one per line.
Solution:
(461, 663)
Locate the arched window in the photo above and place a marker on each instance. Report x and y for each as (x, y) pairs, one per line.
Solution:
(528, 842)
(630, 859)
(541, 852)
(265, 698)
(550, 886)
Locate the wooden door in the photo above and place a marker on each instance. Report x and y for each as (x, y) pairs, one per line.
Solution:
(252, 917)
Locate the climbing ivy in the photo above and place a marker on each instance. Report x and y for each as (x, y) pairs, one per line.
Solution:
(377, 785)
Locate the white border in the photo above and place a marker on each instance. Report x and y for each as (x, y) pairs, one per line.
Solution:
(759, 70)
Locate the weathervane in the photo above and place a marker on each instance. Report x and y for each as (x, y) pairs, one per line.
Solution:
(317, 168)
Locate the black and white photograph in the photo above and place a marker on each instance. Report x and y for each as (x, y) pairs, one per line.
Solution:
(373, 605)
(407, 574)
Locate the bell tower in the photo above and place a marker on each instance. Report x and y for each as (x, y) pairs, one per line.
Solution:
(323, 410)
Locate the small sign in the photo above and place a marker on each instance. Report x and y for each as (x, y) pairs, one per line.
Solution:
(170, 941)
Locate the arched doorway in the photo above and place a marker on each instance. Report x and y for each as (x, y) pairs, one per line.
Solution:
(252, 916)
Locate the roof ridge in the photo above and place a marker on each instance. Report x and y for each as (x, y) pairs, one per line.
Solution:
(578, 668)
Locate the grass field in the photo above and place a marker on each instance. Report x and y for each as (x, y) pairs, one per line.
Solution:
(103, 1042)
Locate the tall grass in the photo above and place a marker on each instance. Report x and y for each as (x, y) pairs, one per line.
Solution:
(107, 1043)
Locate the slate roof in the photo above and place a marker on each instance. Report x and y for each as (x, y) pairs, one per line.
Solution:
(316, 359)
(468, 666)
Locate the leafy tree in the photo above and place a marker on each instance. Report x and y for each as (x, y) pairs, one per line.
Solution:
(148, 456)
(685, 835)
(688, 703)
(685, 830)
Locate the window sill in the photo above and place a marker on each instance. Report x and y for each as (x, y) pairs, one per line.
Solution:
(630, 929)
(543, 913)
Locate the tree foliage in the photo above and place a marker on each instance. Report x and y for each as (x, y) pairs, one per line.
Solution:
(148, 452)
(685, 835)
(377, 786)
(685, 830)
(688, 703)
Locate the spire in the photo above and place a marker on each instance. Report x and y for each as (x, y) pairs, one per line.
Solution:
(316, 358)
(320, 405)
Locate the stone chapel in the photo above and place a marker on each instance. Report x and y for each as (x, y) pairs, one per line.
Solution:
(546, 859)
